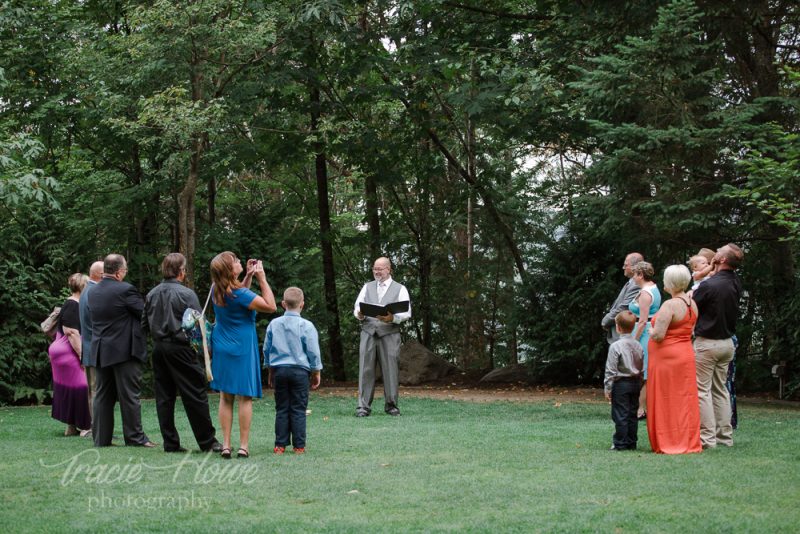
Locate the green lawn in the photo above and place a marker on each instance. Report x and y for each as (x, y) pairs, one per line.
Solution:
(441, 466)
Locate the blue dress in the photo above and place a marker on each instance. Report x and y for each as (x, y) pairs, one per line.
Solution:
(234, 346)
(654, 306)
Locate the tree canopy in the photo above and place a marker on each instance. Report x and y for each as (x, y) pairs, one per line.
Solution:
(506, 156)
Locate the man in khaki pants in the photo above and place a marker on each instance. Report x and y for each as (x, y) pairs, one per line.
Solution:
(718, 304)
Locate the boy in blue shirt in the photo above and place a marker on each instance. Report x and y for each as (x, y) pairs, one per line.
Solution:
(623, 382)
(291, 350)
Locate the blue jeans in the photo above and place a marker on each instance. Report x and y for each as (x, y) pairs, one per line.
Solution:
(291, 400)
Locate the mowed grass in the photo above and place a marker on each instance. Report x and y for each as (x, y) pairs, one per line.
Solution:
(441, 466)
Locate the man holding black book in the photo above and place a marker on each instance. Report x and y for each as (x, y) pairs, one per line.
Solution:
(381, 306)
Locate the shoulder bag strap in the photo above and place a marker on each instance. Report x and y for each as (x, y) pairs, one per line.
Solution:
(210, 291)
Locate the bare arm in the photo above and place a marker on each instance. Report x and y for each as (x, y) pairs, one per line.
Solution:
(74, 337)
(663, 320)
(702, 273)
(248, 277)
(266, 302)
(645, 299)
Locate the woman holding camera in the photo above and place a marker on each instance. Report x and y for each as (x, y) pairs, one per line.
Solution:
(234, 343)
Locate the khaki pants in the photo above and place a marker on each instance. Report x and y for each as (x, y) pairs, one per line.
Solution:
(712, 357)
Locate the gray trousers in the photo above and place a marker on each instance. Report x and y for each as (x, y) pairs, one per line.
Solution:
(388, 353)
(120, 382)
(91, 379)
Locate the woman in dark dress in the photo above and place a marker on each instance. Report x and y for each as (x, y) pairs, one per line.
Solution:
(70, 389)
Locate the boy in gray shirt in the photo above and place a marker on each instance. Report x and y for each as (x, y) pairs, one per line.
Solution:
(623, 382)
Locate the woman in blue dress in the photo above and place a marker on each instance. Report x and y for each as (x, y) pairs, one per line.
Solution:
(644, 306)
(234, 344)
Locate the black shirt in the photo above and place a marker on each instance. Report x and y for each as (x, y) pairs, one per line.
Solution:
(163, 310)
(69, 317)
(718, 304)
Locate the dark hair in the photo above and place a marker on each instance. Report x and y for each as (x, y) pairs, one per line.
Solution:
(113, 263)
(734, 256)
(173, 264)
(625, 320)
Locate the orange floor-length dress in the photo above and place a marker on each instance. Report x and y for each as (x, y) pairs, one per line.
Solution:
(673, 411)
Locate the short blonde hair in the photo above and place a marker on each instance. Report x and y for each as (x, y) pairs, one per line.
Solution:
(694, 259)
(77, 282)
(677, 277)
(707, 253)
(293, 296)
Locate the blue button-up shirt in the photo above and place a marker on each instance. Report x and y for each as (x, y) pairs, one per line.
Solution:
(292, 340)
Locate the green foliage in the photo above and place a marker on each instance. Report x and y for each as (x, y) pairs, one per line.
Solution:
(517, 151)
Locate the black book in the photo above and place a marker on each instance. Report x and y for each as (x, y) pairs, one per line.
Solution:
(374, 310)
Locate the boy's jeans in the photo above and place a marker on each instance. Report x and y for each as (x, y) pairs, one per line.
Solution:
(291, 400)
(624, 405)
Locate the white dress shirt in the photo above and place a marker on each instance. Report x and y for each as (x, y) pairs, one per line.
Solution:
(382, 287)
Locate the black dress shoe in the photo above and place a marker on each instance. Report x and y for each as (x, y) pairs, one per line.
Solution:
(215, 447)
(362, 413)
(179, 449)
(393, 411)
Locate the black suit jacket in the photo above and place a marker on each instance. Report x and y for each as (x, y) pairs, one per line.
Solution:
(115, 309)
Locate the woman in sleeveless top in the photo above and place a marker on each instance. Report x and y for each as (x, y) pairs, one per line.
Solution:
(673, 411)
(644, 306)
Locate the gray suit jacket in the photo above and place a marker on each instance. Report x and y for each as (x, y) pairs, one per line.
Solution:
(628, 292)
(86, 323)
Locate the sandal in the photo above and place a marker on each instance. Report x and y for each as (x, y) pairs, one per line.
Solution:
(242, 453)
(225, 453)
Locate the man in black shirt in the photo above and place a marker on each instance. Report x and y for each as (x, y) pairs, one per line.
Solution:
(718, 305)
(175, 364)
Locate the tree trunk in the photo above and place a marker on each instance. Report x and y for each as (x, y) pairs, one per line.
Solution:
(187, 230)
(329, 273)
(425, 259)
(373, 220)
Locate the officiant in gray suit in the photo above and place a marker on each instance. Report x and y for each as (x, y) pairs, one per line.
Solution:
(380, 336)
(628, 292)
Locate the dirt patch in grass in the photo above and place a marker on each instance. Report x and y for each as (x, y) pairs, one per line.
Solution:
(514, 393)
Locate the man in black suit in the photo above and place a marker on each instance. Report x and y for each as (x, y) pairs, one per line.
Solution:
(118, 351)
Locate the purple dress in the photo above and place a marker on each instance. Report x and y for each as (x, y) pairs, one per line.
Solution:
(70, 389)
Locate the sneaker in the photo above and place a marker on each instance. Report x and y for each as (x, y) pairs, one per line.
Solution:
(300, 450)
(279, 450)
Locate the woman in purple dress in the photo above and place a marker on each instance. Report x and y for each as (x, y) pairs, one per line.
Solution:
(70, 389)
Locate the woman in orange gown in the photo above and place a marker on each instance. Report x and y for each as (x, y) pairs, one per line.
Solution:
(673, 412)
